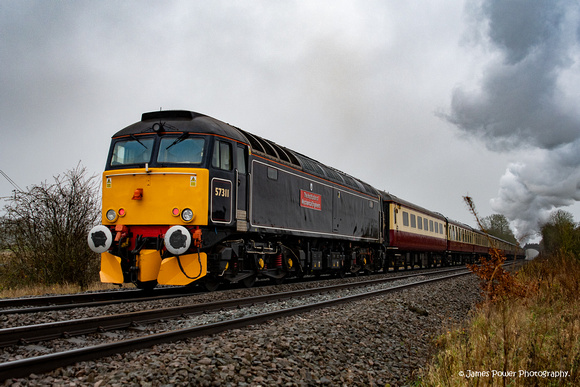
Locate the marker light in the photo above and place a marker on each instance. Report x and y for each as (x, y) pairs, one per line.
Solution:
(187, 215)
(111, 215)
(175, 211)
(122, 212)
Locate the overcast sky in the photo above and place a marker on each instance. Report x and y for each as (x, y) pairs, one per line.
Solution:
(429, 100)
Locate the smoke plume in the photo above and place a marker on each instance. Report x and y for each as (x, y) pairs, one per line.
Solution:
(526, 99)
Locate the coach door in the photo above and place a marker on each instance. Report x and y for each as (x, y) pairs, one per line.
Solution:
(242, 185)
(222, 183)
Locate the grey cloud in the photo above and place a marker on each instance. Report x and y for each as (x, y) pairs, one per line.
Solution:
(517, 101)
(521, 103)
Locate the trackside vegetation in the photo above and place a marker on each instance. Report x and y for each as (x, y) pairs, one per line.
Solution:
(527, 331)
(43, 233)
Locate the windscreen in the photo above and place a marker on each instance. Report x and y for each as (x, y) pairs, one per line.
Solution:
(133, 151)
(180, 150)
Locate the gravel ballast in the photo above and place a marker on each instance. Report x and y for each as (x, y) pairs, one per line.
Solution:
(385, 339)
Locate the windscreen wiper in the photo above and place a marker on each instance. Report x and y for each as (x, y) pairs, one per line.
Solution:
(178, 140)
(136, 139)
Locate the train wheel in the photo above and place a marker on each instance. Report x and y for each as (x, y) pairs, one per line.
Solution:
(248, 282)
(211, 283)
(146, 286)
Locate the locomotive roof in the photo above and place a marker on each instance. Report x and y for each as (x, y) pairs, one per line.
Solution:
(187, 121)
(181, 121)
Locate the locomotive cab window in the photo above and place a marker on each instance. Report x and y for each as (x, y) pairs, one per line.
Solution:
(241, 159)
(134, 151)
(181, 150)
(222, 155)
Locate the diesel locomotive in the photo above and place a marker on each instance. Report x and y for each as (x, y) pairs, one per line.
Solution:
(189, 199)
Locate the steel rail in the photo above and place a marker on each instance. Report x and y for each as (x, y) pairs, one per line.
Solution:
(69, 301)
(44, 363)
(72, 301)
(48, 331)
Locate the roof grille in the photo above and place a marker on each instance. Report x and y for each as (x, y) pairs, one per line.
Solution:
(168, 115)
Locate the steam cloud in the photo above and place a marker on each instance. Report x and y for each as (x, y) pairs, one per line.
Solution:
(527, 99)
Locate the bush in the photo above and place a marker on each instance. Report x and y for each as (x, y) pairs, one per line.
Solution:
(44, 232)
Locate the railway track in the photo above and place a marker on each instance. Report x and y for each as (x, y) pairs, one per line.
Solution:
(38, 364)
(72, 301)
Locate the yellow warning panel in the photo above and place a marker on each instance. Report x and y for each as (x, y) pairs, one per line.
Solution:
(111, 271)
(182, 270)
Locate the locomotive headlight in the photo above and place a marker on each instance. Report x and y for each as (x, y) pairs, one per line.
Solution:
(111, 215)
(187, 215)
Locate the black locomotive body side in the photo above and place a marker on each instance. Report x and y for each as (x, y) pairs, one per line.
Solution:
(290, 202)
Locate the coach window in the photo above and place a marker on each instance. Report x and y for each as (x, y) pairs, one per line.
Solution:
(419, 223)
(431, 225)
(426, 224)
(413, 221)
(405, 218)
(222, 155)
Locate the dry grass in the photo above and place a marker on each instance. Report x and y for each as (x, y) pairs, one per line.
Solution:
(518, 341)
(12, 283)
(41, 290)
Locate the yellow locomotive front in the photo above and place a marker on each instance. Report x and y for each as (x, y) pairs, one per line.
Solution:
(155, 193)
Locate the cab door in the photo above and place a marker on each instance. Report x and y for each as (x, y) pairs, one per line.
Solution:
(223, 189)
(242, 186)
